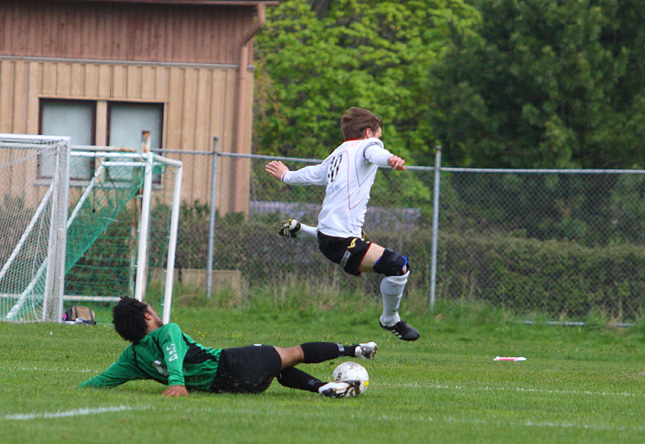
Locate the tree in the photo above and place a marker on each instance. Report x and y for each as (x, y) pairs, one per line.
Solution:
(368, 53)
(544, 83)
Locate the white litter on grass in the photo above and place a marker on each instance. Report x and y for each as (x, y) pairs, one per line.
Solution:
(68, 413)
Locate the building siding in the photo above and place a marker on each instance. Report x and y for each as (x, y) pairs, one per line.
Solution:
(124, 31)
(183, 56)
(198, 103)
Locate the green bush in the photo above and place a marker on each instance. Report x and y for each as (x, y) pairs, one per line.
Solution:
(559, 278)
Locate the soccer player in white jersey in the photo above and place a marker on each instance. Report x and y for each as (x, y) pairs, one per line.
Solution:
(348, 173)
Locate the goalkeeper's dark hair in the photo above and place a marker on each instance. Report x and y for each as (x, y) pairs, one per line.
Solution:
(356, 120)
(128, 317)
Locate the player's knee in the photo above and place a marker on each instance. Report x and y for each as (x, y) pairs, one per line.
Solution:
(391, 263)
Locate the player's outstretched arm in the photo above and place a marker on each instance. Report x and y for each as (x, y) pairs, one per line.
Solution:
(276, 168)
(175, 390)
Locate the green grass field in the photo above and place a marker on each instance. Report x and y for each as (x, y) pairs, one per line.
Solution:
(577, 384)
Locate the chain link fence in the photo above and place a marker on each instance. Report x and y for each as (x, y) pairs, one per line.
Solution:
(562, 243)
(559, 244)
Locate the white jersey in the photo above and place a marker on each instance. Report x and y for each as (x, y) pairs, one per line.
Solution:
(349, 174)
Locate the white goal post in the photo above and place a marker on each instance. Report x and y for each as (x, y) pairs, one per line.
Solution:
(33, 262)
(58, 231)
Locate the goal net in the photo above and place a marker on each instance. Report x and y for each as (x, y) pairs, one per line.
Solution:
(119, 224)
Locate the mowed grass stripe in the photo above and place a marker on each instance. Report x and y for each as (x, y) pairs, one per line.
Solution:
(488, 388)
(50, 369)
(322, 416)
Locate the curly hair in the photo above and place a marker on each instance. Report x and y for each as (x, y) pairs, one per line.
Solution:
(356, 120)
(128, 317)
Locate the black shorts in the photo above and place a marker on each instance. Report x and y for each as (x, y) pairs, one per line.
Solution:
(246, 369)
(348, 252)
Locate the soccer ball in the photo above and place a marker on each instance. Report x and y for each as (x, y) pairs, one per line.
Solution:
(351, 370)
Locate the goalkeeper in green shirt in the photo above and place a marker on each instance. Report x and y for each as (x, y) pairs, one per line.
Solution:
(165, 354)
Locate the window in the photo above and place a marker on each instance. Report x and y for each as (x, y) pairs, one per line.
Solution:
(72, 118)
(129, 120)
(91, 122)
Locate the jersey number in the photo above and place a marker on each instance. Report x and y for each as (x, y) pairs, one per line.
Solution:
(334, 165)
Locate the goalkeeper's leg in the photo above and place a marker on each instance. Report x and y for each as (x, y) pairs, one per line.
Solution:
(315, 352)
(294, 378)
(296, 229)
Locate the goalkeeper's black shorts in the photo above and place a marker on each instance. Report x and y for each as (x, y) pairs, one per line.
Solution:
(246, 369)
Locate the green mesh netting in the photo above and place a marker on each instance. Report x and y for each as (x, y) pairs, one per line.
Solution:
(102, 239)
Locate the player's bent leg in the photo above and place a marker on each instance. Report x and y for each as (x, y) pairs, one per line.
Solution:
(314, 352)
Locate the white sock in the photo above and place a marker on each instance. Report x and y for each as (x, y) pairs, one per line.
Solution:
(392, 292)
(307, 231)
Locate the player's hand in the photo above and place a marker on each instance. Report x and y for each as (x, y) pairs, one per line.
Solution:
(175, 390)
(396, 162)
(276, 169)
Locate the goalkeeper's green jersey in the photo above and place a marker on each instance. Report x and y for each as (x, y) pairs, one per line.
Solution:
(166, 355)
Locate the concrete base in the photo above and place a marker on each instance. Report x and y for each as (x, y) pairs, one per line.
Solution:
(197, 277)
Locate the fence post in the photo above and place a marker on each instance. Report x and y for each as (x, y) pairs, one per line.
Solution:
(435, 225)
(211, 221)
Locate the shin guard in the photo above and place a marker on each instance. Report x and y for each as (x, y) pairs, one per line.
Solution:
(392, 291)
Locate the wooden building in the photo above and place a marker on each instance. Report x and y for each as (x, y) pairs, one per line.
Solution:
(102, 71)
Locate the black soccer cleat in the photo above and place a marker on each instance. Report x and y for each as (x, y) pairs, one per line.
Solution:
(402, 331)
(289, 228)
